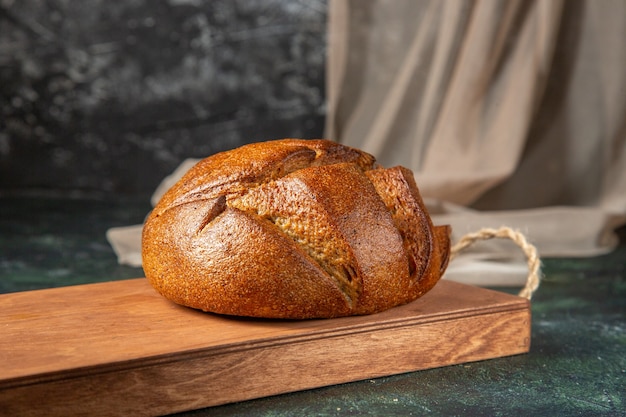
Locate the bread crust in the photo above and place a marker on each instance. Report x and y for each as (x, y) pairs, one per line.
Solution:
(293, 229)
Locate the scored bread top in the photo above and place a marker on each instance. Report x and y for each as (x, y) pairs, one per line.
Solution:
(293, 229)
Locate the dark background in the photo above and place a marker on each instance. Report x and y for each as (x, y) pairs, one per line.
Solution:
(107, 98)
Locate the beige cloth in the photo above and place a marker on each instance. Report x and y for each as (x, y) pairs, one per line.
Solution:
(508, 112)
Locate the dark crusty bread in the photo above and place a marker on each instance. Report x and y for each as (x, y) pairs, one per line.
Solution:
(293, 229)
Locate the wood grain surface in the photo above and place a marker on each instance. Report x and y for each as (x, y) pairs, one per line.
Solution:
(119, 348)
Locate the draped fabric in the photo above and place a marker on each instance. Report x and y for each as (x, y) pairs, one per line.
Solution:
(508, 112)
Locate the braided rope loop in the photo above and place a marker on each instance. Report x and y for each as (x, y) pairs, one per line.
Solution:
(533, 261)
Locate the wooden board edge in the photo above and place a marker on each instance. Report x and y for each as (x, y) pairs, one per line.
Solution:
(197, 380)
(316, 335)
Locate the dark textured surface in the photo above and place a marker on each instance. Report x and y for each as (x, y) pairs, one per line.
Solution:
(52, 242)
(576, 365)
(111, 96)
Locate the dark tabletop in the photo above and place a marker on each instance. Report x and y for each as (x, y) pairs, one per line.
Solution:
(576, 365)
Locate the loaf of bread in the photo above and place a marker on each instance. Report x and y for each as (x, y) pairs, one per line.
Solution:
(293, 229)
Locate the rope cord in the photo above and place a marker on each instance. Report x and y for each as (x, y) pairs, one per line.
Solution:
(534, 263)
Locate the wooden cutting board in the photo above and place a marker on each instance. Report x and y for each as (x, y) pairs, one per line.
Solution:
(119, 348)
